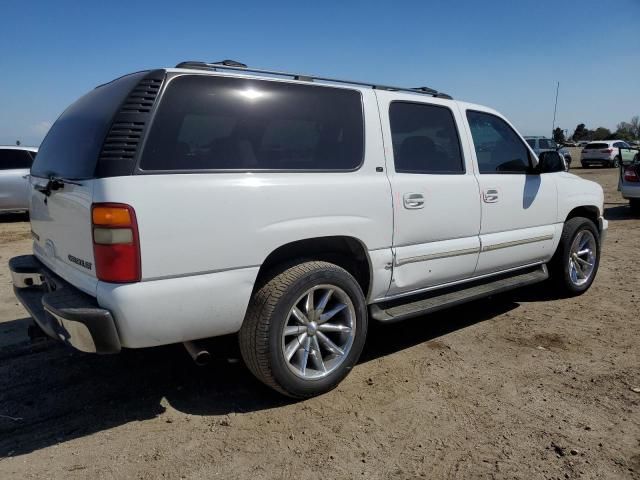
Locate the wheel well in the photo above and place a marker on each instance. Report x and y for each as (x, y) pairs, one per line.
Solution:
(590, 212)
(347, 252)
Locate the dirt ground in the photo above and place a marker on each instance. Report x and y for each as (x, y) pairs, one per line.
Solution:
(521, 385)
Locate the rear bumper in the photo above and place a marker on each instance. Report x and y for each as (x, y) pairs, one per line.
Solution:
(61, 310)
(629, 191)
(603, 226)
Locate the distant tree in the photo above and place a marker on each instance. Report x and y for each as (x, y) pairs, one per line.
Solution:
(558, 135)
(624, 131)
(580, 133)
(601, 133)
(635, 125)
(18, 143)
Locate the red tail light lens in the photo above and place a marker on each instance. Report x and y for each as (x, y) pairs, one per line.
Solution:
(607, 150)
(116, 245)
(630, 175)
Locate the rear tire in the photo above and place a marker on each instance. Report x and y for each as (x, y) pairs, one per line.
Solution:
(615, 163)
(575, 264)
(304, 329)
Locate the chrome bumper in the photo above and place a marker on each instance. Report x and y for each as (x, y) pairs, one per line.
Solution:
(61, 310)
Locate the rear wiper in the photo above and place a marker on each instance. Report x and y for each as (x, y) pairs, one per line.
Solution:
(54, 184)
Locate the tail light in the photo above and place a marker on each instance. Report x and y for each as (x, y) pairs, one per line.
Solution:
(607, 150)
(630, 175)
(116, 245)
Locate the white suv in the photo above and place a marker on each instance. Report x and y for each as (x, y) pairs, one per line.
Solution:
(290, 209)
(602, 152)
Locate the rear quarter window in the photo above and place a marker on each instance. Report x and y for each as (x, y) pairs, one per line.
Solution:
(218, 123)
(73, 144)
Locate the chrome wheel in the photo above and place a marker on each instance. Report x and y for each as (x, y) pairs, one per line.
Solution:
(319, 332)
(582, 258)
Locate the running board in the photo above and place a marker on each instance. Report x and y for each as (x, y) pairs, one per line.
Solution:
(394, 311)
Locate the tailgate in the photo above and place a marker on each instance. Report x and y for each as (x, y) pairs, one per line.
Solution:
(61, 230)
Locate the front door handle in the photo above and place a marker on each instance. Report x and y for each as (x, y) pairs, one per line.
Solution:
(413, 201)
(490, 195)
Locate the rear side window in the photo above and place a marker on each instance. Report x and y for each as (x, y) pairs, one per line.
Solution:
(498, 147)
(546, 144)
(72, 146)
(596, 146)
(215, 123)
(425, 139)
(13, 159)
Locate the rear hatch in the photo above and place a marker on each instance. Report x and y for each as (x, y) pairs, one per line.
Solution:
(596, 150)
(95, 137)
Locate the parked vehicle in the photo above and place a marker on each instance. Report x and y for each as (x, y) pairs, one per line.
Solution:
(15, 163)
(602, 152)
(569, 143)
(629, 179)
(216, 199)
(583, 143)
(543, 144)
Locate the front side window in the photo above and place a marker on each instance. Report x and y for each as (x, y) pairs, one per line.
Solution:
(218, 123)
(498, 147)
(425, 139)
(11, 159)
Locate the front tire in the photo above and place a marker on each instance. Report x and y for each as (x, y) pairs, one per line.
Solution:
(575, 263)
(304, 329)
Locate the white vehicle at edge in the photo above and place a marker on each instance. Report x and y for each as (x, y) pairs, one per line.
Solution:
(290, 210)
(15, 162)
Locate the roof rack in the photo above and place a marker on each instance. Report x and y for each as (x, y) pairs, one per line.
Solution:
(237, 66)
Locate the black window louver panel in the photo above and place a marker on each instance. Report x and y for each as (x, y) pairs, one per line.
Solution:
(120, 147)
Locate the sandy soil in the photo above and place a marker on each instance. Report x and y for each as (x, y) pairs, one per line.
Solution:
(517, 386)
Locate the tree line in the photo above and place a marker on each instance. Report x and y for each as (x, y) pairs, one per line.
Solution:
(624, 131)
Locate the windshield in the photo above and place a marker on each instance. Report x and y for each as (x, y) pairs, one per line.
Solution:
(72, 146)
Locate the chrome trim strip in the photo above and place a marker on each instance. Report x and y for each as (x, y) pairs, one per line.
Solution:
(457, 282)
(434, 256)
(497, 246)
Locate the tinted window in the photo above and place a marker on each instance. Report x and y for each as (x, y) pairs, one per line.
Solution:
(208, 123)
(10, 159)
(425, 139)
(547, 144)
(596, 146)
(498, 148)
(531, 142)
(72, 146)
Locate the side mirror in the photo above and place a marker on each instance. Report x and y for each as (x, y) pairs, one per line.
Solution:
(551, 162)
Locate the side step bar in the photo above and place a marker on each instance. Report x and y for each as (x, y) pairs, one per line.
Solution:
(397, 310)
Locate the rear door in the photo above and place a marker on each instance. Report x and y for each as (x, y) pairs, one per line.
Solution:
(14, 187)
(519, 208)
(435, 193)
(61, 219)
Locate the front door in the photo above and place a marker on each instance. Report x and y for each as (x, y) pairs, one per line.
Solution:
(435, 193)
(519, 207)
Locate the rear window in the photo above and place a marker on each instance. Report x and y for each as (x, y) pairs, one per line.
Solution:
(214, 123)
(531, 142)
(72, 146)
(13, 159)
(596, 146)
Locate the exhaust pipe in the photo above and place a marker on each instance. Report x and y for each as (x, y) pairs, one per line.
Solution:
(201, 356)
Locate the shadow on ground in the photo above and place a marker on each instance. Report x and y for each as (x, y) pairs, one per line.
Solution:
(14, 217)
(619, 211)
(50, 394)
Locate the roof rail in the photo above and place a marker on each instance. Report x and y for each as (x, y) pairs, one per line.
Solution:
(237, 66)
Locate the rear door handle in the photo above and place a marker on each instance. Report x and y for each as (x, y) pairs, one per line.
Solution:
(413, 201)
(490, 195)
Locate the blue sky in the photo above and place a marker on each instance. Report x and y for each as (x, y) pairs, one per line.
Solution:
(505, 54)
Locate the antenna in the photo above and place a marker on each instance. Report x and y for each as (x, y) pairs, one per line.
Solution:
(555, 108)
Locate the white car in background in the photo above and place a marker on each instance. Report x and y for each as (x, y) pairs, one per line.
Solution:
(602, 152)
(15, 163)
